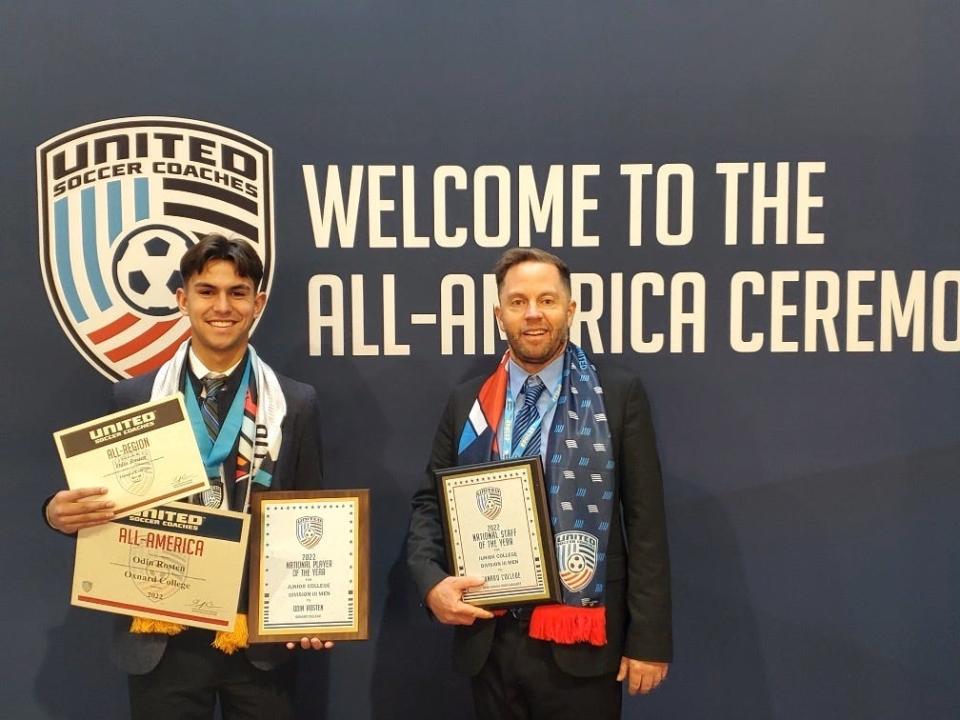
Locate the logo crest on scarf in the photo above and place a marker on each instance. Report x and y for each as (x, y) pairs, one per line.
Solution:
(157, 574)
(120, 201)
(489, 502)
(309, 530)
(576, 558)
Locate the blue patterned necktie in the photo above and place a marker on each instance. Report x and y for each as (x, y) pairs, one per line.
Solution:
(210, 411)
(528, 414)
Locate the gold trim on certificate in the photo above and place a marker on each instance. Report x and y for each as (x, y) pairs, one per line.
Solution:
(309, 565)
(178, 562)
(497, 527)
(145, 455)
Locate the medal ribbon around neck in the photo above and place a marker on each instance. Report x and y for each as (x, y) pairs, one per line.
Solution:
(214, 453)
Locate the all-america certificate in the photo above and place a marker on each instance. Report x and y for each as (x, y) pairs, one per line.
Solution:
(176, 562)
(144, 455)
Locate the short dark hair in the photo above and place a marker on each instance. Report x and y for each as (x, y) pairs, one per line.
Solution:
(515, 256)
(217, 247)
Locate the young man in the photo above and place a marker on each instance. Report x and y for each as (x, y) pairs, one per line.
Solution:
(176, 672)
(565, 660)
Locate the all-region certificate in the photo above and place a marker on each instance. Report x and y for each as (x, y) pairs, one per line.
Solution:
(177, 562)
(144, 456)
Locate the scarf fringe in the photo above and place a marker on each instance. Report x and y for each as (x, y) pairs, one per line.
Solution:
(230, 642)
(567, 625)
(159, 627)
(226, 642)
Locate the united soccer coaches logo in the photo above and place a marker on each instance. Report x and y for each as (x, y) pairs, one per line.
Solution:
(120, 201)
(576, 558)
(489, 502)
(309, 530)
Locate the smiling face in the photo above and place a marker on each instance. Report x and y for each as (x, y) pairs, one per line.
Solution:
(535, 312)
(221, 306)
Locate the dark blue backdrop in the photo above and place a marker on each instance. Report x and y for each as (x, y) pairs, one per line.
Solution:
(811, 497)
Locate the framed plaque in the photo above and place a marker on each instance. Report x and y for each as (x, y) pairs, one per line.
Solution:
(497, 526)
(309, 565)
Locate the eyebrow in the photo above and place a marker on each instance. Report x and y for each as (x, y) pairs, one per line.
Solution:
(211, 286)
(551, 293)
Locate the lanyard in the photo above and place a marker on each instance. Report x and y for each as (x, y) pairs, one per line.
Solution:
(507, 450)
(214, 453)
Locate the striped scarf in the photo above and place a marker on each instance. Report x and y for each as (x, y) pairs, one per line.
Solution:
(580, 476)
(258, 447)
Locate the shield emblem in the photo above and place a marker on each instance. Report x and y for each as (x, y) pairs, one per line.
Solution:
(119, 203)
(157, 574)
(576, 558)
(135, 478)
(212, 497)
(489, 502)
(309, 530)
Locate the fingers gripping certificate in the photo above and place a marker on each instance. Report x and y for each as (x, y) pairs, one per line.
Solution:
(177, 562)
(144, 456)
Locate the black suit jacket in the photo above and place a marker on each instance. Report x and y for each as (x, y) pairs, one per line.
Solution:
(638, 568)
(299, 466)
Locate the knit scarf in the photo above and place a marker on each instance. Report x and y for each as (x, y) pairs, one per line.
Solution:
(258, 446)
(580, 477)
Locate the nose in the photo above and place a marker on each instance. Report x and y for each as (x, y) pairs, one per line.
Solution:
(532, 310)
(222, 303)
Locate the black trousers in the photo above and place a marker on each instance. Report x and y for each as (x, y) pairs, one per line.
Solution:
(192, 676)
(521, 681)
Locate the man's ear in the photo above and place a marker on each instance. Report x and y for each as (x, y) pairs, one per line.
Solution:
(182, 300)
(259, 302)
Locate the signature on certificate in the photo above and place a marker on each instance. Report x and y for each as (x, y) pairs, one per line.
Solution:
(204, 606)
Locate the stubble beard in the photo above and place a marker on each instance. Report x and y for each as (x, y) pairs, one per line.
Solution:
(516, 347)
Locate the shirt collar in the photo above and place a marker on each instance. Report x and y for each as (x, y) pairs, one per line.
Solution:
(200, 370)
(550, 375)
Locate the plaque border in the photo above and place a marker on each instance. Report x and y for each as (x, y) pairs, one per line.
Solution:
(362, 589)
(544, 529)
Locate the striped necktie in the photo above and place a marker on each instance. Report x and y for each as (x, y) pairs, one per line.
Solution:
(528, 415)
(210, 411)
(212, 385)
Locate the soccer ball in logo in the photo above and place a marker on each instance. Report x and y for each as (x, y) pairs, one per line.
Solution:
(489, 502)
(146, 268)
(309, 530)
(576, 558)
(110, 242)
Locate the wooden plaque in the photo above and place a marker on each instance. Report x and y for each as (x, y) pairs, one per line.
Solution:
(309, 565)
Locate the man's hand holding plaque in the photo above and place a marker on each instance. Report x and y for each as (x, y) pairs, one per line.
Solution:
(445, 601)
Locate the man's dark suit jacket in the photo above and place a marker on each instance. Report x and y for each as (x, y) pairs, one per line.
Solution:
(638, 568)
(298, 467)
